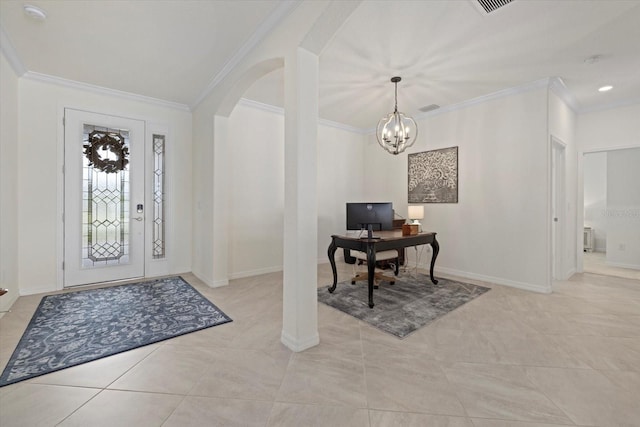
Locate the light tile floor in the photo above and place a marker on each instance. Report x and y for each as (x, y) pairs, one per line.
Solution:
(508, 358)
(596, 263)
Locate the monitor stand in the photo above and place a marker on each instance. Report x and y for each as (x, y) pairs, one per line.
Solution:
(370, 235)
(370, 232)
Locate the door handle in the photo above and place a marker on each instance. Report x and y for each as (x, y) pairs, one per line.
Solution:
(138, 218)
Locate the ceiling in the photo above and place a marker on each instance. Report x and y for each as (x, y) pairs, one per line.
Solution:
(164, 49)
(447, 52)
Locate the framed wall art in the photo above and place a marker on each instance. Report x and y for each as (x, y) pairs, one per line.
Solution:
(433, 176)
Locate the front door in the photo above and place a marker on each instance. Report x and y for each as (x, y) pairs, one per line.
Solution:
(103, 198)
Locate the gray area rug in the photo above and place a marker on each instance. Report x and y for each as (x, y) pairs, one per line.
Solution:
(77, 327)
(402, 308)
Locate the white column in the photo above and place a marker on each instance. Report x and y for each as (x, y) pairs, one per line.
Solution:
(202, 183)
(300, 310)
(219, 265)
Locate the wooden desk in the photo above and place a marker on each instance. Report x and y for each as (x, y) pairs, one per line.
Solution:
(387, 240)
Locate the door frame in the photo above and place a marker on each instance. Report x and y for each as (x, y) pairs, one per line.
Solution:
(557, 206)
(152, 267)
(580, 202)
(74, 273)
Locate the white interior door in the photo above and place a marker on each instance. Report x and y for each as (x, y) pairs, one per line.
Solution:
(557, 209)
(103, 198)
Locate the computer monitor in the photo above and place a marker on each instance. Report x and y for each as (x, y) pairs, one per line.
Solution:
(370, 216)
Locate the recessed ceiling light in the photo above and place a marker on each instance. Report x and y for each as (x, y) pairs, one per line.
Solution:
(35, 12)
(605, 88)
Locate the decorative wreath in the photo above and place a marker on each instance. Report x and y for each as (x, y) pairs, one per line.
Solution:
(114, 142)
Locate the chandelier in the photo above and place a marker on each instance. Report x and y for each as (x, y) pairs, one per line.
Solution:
(396, 132)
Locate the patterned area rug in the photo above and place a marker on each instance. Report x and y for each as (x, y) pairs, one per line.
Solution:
(78, 327)
(402, 308)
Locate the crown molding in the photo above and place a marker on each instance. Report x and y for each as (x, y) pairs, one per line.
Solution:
(557, 86)
(7, 48)
(281, 11)
(342, 126)
(527, 87)
(9, 52)
(279, 110)
(260, 106)
(621, 104)
(59, 81)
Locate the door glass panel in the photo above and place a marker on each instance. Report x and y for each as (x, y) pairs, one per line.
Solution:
(105, 197)
(158, 197)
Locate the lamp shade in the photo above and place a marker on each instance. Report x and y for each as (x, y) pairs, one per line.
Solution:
(416, 212)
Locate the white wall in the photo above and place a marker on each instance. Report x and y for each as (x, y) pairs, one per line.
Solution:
(256, 192)
(498, 229)
(256, 188)
(341, 179)
(595, 197)
(40, 175)
(8, 184)
(505, 224)
(209, 219)
(609, 129)
(623, 208)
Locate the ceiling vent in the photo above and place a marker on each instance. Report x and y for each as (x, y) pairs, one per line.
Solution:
(429, 108)
(491, 5)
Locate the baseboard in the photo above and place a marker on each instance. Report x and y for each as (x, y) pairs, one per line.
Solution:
(205, 278)
(8, 303)
(298, 346)
(623, 265)
(491, 279)
(209, 281)
(32, 290)
(267, 270)
(339, 258)
(219, 283)
(256, 272)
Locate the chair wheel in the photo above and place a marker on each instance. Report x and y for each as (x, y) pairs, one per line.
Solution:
(353, 282)
(376, 287)
(392, 283)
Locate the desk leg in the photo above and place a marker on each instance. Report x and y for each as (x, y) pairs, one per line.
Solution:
(371, 267)
(397, 270)
(436, 248)
(332, 260)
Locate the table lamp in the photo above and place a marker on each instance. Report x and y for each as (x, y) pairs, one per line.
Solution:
(416, 213)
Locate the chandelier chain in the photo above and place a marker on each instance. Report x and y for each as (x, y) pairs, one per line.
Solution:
(396, 107)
